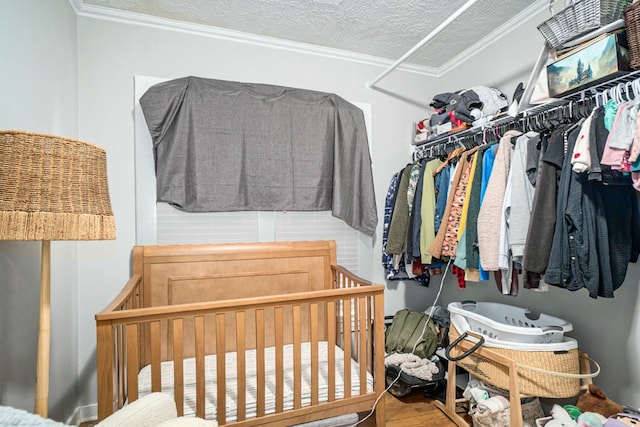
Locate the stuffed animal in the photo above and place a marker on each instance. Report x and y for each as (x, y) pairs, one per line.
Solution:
(623, 420)
(590, 419)
(560, 418)
(594, 400)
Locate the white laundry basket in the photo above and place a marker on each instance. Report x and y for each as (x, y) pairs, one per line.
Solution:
(508, 323)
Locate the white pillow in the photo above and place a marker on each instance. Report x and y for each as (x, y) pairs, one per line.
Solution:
(148, 411)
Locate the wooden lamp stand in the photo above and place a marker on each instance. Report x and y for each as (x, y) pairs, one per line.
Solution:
(44, 333)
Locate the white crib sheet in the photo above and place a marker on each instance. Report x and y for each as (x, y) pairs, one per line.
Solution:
(144, 380)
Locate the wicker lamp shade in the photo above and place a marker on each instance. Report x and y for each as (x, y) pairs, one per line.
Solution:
(53, 188)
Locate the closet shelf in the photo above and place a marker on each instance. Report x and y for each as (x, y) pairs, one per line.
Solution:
(504, 123)
(501, 123)
(590, 92)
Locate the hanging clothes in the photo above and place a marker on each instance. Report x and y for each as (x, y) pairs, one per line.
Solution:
(457, 200)
(392, 273)
(597, 232)
(488, 161)
(413, 198)
(635, 145)
(571, 250)
(442, 176)
(581, 158)
(522, 192)
(489, 217)
(413, 233)
(428, 210)
(472, 270)
(397, 265)
(435, 249)
(461, 250)
(543, 211)
(552, 204)
(396, 240)
(597, 137)
(617, 217)
(515, 221)
(465, 206)
(616, 147)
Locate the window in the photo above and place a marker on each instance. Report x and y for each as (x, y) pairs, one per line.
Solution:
(159, 223)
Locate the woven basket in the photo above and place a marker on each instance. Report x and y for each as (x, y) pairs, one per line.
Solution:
(540, 373)
(632, 22)
(53, 188)
(580, 17)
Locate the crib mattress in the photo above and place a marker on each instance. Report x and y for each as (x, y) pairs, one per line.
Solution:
(144, 380)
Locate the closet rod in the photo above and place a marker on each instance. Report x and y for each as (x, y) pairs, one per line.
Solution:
(422, 42)
(501, 124)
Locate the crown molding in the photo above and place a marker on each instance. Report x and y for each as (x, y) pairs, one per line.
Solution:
(75, 4)
(134, 18)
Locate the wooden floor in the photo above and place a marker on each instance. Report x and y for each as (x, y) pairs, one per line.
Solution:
(412, 410)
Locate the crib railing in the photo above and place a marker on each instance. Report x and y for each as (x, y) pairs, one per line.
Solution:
(130, 336)
(130, 298)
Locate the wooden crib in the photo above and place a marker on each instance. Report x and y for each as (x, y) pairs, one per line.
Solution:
(274, 310)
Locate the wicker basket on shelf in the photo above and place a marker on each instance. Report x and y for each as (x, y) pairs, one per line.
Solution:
(632, 22)
(579, 18)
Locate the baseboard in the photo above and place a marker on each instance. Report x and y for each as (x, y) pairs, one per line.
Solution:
(83, 414)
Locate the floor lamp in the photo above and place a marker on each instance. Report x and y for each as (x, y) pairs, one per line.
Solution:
(51, 188)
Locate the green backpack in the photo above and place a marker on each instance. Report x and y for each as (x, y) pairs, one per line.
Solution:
(406, 329)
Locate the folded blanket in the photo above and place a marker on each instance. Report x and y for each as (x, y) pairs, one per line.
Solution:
(18, 417)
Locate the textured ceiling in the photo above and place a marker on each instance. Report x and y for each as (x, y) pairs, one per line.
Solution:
(380, 28)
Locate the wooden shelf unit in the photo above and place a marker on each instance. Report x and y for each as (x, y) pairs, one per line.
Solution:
(449, 407)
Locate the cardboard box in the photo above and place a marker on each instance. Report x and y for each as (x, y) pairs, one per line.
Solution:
(588, 66)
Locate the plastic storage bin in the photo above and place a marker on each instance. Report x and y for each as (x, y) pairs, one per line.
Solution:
(564, 345)
(508, 323)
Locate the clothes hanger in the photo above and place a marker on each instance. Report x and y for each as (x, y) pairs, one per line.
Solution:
(627, 93)
(620, 92)
(613, 94)
(488, 134)
(570, 117)
(451, 157)
(568, 113)
(484, 135)
(588, 102)
(534, 123)
(553, 117)
(610, 94)
(601, 98)
(456, 141)
(477, 139)
(466, 142)
(617, 94)
(635, 87)
(545, 121)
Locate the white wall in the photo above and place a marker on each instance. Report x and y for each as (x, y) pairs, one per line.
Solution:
(38, 93)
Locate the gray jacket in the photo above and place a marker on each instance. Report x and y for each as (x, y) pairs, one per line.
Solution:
(522, 193)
